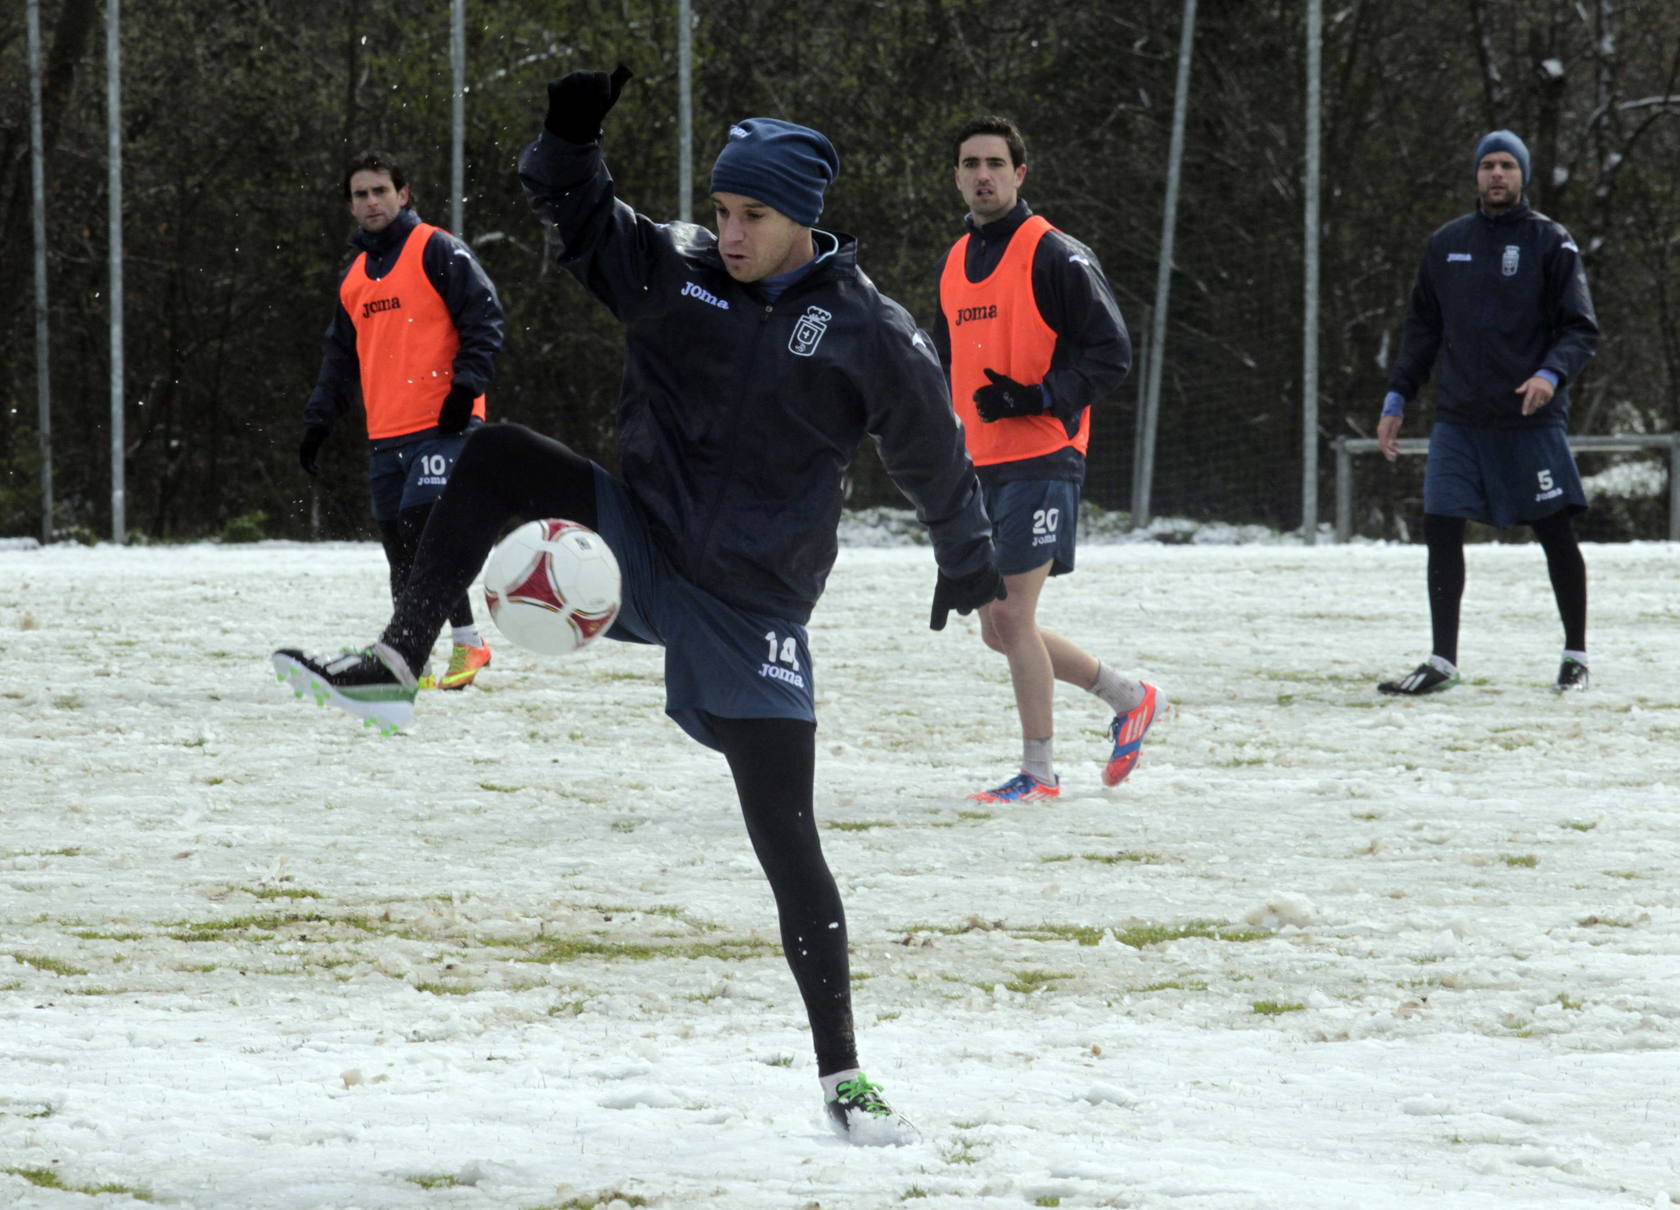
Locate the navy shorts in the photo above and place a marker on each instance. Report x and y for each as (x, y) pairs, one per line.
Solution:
(1034, 521)
(734, 663)
(406, 472)
(1501, 477)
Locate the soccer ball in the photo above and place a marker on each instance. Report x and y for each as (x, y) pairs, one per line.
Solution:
(552, 586)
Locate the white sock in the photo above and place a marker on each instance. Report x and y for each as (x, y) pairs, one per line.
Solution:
(1121, 693)
(466, 636)
(1580, 657)
(832, 1081)
(1036, 759)
(1444, 667)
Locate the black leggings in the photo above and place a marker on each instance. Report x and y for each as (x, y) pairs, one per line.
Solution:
(401, 539)
(505, 471)
(773, 760)
(1568, 571)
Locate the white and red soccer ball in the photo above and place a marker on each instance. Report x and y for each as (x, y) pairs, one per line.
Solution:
(552, 586)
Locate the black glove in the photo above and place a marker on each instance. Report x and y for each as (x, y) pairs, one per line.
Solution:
(309, 449)
(1003, 396)
(965, 594)
(457, 408)
(578, 102)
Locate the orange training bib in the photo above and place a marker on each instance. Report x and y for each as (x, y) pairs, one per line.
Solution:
(405, 340)
(995, 324)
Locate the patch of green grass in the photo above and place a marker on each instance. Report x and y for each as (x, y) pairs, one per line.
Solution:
(46, 1178)
(1186, 985)
(94, 991)
(1273, 1008)
(1139, 935)
(1107, 858)
(1083, 934)
(779, 1061)
(571, 949)
(858, 825)
(1526, 861)
(263, 926)
(282, 893)
(589, 1201)
(625, 826)
(959, 1151)
(56, 966)
(97, 935)
(435, 988)
(67, 701)
(437, 1182)
(1047, 1200)
(1573, 1005)
(1627, 874)
(1029, 981)
(976, 815)
(912, 1193)
(493, 788)
(1577, 825)
(659, 909)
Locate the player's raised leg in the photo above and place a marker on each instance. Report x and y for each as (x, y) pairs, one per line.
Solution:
(505, 471)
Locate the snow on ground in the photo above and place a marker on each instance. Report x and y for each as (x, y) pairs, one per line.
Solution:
(1324, 950)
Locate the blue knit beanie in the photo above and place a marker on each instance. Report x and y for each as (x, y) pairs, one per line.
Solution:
(778, 163)
(1502, 140)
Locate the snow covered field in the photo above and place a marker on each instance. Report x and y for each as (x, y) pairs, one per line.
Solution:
(1324, 950)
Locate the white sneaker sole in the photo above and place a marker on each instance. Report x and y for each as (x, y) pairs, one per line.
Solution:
(385, 714)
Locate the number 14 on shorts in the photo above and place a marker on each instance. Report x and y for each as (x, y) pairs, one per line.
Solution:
(782, 650)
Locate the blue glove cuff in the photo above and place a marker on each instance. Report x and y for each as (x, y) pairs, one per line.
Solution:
(1549, 375)
(1393, 404)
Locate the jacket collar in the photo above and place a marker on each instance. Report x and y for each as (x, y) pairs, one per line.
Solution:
(1515, 214)
(381, 243)
(1000, 229)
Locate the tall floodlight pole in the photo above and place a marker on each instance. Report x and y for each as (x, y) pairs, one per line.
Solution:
(458, 118)
(113, 172)
(1143, 480)
(43, 344)
(1309, 327)
(685, 109)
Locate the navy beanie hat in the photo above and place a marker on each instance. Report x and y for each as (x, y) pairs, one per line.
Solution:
(1502, 140)
(778, 163)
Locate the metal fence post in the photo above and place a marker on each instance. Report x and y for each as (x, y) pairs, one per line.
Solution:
(1344, 490)
(1674, 487)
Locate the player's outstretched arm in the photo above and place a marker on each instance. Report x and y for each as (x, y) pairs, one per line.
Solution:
(615, 252)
